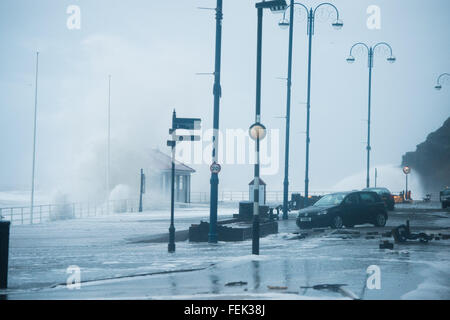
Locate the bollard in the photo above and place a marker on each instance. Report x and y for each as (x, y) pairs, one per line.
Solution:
(4, 251)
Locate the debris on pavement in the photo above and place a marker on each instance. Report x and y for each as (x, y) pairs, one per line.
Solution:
(338, 288)
(236, 284)
(386, 244)
(277, 288)
(403, 233)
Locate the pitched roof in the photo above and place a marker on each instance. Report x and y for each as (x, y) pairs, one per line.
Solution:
(162, 162)
(261, 182)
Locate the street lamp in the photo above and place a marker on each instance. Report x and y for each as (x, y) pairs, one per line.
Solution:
(284, 23)
(274, 6)
(34, 137)
(351, 59)
(438, 84)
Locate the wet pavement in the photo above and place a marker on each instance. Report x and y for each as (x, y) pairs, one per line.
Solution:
(113, 266)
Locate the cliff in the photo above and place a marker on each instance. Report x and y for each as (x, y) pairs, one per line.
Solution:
(431, 160)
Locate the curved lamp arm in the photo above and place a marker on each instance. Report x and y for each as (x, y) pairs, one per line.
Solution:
(442, 75)
(358, 44)
(383, 44)
(439, 85)
(327, 4)
(295, 3)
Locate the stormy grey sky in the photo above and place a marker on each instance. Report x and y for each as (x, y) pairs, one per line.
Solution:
(153, 49)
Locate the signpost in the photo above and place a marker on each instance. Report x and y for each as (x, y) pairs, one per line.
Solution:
(406, 171)
(184, 124)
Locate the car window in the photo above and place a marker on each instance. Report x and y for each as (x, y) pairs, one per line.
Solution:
(367, 198)
(330, 200)
(446, 192)
(352, 199)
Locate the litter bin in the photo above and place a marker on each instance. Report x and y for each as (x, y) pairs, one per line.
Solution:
(4, 250)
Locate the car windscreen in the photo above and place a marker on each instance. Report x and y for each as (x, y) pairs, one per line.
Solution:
(380, 191)
(330, 200)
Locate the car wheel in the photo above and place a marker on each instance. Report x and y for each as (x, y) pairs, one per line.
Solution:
(380, 220)
(337, 222)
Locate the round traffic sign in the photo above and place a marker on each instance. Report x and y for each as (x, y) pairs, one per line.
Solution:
(215, 168)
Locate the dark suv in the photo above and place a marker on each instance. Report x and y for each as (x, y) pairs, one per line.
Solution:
(344, 209)
(385, 195)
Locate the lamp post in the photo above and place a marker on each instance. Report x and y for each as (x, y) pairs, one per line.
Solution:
(337, 24)
(108, 156)
(351, 59)
(34, 137)
(439, 84)
(274, 6)
(212, 236)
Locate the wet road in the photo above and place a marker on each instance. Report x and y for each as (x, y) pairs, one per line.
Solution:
(114, 268)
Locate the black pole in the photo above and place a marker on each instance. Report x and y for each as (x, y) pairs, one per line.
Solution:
(172, 197)
(212, 236)
(141, 190)
(255, 235)
(4, 252)
(288, 115)
(308, 104)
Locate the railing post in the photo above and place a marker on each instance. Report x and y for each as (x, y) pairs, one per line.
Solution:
(4, 252)
(21, 214)
(40, 214)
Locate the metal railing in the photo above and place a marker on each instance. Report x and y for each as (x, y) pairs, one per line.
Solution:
(62, 211)
(236, 196)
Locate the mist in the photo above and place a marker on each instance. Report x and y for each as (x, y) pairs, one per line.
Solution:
(153, 50)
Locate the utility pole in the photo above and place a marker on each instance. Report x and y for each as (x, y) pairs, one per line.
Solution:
(288, 115)
(34, 137)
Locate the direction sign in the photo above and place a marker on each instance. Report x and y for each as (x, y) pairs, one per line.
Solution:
(215, 168)
(186, 123)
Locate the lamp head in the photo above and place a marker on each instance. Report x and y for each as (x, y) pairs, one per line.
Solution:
(438, 87)
(351, 59)
(275, 6)
(338, 24)
(391, 59)
(284, 24)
